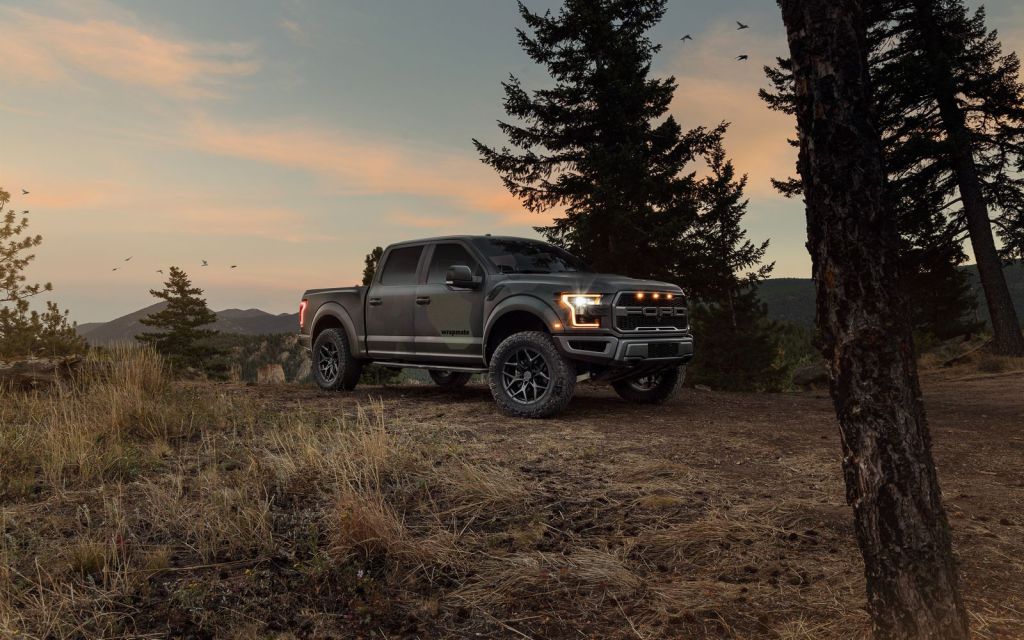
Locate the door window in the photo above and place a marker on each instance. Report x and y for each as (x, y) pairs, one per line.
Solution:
(401, 266)
(445, 256)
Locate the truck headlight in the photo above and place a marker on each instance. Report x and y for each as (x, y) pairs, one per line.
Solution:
(579, 304)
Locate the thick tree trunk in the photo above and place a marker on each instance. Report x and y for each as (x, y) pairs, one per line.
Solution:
(891, 482)
(1005, 325)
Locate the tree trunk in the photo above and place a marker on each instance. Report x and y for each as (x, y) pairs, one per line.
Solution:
(891, 482)
(1005, 325)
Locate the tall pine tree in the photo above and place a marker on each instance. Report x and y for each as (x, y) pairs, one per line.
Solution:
(598, 143)
(181, 336)
(740, 345)
(930, 159)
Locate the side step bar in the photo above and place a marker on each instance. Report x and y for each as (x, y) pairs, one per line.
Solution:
(391, 364)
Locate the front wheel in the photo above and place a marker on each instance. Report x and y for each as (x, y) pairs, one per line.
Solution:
(334, 366)
(450, 379)
(653, 388)
(529, 378)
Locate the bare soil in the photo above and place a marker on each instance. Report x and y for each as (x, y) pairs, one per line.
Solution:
(735, 501)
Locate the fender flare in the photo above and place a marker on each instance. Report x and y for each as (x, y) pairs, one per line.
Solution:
(339, 313)
(520, 302)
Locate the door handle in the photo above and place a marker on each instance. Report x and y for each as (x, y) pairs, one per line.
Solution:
(375, 302)
(423, 300)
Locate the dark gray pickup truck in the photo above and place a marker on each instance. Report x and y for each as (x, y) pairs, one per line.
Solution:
(524, 312)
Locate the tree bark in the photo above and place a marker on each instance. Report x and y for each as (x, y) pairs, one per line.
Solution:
(1008, 339)
(891, 482)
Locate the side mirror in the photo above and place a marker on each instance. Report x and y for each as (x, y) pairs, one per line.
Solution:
(461, 276)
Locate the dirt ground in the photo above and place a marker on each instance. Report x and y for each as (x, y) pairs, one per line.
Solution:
(194, 510)
(610, 474)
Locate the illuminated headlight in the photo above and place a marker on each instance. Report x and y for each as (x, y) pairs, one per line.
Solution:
(578, 305)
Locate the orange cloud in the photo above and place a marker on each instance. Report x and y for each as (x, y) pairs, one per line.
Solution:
(44, 49)
(714, 86)
(361, 167)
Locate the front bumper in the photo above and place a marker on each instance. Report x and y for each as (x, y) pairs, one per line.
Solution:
(634, 350)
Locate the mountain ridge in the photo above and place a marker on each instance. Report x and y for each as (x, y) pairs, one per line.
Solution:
(236, 321)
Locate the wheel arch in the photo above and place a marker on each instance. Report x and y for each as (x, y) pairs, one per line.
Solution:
(332, 315)
(515, 314)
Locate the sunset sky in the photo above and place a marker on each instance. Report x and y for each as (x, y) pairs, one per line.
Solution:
(291, 137)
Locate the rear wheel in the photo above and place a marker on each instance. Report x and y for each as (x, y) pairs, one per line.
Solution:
(529, 378)
(653, 388)
(450, 379)
(334, 367)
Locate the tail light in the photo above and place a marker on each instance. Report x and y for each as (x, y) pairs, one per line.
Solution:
(302, 314)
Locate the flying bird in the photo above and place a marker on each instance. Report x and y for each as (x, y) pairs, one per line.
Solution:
(742, 57)
(740, 26)
(687, 37)
(204, 263)
(25, 211)
(114, 269)
(24, 193)
(128, 258)
(233, 266)
(159, 270)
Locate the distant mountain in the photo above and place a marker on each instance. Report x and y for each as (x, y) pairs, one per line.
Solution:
(238, 321)
(792, 299)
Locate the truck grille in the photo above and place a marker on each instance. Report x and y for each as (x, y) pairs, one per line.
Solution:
(649, 314)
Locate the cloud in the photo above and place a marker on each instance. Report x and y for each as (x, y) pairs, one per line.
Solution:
(294, 30)
(714, 86)
(356, 166)
(42, 49)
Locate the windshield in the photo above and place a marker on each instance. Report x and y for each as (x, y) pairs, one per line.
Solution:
(514, 255)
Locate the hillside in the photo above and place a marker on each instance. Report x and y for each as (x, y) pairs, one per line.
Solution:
(235, 321)
(792, 299)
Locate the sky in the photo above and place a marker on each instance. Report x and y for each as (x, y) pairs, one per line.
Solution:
(289, 138)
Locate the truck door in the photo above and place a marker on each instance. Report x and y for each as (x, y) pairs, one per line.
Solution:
(391, 304)
(449, 320)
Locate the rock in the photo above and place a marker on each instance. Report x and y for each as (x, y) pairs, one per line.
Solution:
(33, 372)
(810, 374)
(270, 374)
(304, 370)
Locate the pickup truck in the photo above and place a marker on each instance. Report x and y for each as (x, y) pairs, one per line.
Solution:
(526, 313)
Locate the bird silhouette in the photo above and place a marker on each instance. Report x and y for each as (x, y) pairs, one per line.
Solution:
(204, 263)
(233, 266)
(24, 193)
(159, 270)
(25, 211)
(114, 269)
(128, 258)
(687, 37)
(742, 57)
(740, 26)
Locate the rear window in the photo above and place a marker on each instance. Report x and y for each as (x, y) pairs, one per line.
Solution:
(400, 267)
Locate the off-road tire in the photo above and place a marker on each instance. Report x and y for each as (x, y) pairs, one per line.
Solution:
(527, 347)
(345, 374)
(659, 391)
(450, 379)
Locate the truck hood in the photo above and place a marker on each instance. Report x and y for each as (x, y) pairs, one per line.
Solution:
(582, 282)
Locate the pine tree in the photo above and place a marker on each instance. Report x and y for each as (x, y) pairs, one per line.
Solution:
(891, 481)
(24, 331)
(739, 344)
(181, 337)
(371, 262)
(979, 100)
(928, 167)
(598, 143)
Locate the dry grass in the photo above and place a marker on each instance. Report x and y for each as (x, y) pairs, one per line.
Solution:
(134, 505)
